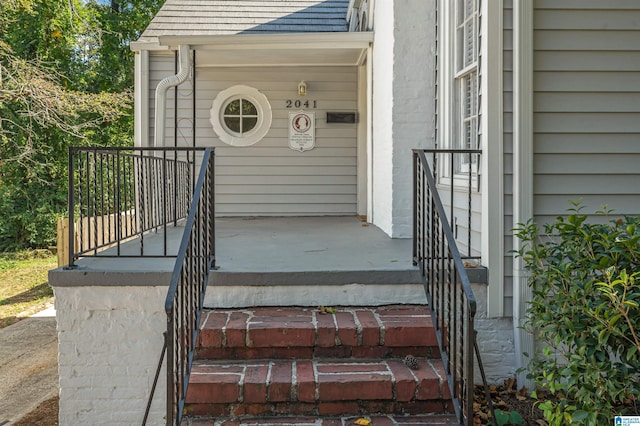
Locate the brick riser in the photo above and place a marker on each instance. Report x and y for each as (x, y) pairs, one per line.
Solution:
(280, 362)
(306, 333)
(316, 387)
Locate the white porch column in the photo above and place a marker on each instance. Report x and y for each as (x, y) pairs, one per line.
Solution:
(403, 106)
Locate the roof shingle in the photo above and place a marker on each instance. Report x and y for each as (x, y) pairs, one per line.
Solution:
(218, 17)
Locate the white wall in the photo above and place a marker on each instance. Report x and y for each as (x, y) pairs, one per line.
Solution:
(403, 106)
(109, 340)
(495, 341)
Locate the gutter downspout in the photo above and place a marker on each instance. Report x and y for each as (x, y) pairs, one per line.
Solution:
(163, 88)
(523, 175)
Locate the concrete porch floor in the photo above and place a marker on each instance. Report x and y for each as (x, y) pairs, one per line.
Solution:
(310, 261)
(276, 260)
(299, 245)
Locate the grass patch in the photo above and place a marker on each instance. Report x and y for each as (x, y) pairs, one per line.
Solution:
(24, 287)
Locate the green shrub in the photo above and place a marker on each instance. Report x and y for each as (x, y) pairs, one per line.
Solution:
(585, 312)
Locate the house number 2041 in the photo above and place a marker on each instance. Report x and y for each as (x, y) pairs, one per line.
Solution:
(300, 103)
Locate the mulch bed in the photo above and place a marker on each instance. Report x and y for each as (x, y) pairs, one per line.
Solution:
(507, 397)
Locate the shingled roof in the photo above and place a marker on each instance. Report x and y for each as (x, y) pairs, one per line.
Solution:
(220, 17)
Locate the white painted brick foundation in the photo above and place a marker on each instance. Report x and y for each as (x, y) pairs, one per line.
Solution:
(495, 340)
(109, 345)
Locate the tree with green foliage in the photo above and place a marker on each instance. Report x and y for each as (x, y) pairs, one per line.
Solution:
(66, 78)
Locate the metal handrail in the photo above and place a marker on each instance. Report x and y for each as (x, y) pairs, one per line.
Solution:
(449, 294)
(467, 181)
(185, 298)
(120, 194)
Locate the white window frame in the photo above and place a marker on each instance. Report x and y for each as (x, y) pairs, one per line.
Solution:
(467, 101)
(264, 115)
(491, 164)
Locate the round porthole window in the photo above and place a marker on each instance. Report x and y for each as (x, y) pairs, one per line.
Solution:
(241, 115)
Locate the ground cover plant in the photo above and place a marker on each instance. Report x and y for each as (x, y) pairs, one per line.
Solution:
(585, 315)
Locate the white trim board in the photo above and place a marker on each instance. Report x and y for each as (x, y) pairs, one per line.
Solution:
(492, 184)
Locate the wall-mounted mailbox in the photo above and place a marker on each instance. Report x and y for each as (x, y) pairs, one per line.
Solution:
(342, 117)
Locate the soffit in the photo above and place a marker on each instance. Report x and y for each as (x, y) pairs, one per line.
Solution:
(318, 49)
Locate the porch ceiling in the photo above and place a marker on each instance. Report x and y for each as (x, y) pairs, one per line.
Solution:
(315, 49)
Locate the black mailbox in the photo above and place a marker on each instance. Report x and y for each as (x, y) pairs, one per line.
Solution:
(342, 117)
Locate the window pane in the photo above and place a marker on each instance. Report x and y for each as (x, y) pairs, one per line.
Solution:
(466, 34)
(469, 95)
(232, 123)
(233, 108)
(248, 108)
(470, 52)
(248, 123)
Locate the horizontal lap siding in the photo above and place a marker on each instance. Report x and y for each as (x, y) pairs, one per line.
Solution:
(586, 106)
(269, 178)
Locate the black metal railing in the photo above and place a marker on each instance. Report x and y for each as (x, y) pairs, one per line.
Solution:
(122, 194)
(449, 294)
(455, 172)
(185, 297)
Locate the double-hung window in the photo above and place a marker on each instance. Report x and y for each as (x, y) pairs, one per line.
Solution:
(466, 120)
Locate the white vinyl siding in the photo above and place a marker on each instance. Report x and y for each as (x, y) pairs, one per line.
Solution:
(587, 106)
(269, 178)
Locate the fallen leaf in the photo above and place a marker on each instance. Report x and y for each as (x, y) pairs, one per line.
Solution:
(523, 391)
(326, 310)
(362, 421)
(500, 404)
(542, 422)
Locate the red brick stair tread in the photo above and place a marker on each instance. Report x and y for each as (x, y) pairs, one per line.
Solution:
(269, 332)
(313, 381)
(295, 365)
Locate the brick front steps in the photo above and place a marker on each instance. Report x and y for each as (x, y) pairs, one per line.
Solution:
(264, 362)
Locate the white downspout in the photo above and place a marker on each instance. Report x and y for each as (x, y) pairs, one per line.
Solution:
(523, 175)
(161, 93)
